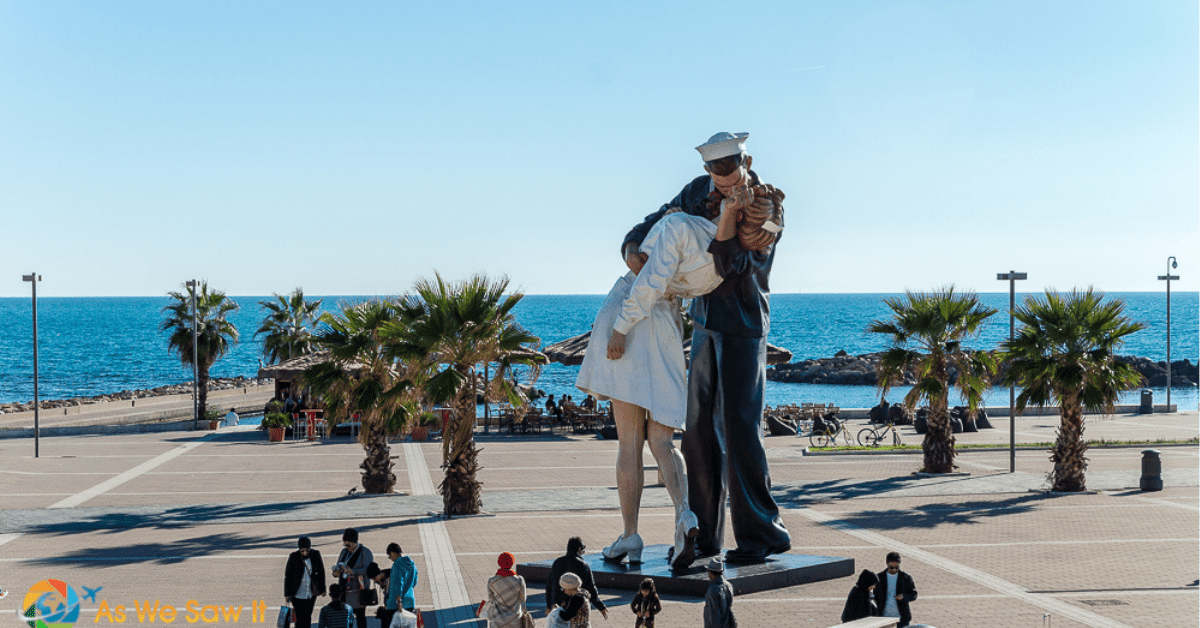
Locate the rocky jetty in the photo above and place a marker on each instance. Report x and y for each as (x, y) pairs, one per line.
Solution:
(860, 370)
(218, 383)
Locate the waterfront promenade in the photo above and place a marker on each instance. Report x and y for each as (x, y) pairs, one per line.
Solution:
(211, 517)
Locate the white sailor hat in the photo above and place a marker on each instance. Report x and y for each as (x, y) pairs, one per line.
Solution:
(723, 144)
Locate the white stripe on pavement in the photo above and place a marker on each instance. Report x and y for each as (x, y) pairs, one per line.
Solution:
(995, 583)
(450, 600)
(133, 473)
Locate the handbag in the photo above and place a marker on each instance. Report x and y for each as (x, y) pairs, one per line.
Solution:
(527, 620)
(554, 621)
(368, 596)
(285, 617)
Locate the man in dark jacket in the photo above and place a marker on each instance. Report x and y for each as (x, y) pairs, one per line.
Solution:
(894, 591)
(858, 603)
(303, 581)
(572, 563)
(723, 444)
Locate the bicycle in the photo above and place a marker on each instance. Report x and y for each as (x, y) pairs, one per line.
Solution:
(829, 436)
(873, 437)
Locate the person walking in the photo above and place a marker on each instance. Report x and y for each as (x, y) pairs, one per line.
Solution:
(403, 580)
(718, 601)
(646, 604)
(505, 606)
(335, 614)
(303, 581)
(573, 609)
(351, 571)
(572, 563)
(858, 602)
(894, 591)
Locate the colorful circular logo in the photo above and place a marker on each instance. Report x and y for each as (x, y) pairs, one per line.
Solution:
(51, 604)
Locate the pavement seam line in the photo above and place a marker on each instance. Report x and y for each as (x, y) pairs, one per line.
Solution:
(977, 576)
(133, 473)
(1163, 502)
(451, 601)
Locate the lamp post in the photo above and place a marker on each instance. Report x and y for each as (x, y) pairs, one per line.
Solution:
(1013, 277)
(192, 284)
(1171, 263)
(33, 278)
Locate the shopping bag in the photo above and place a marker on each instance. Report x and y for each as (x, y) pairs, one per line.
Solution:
(553, 620)
(404, 619)
(285, 617)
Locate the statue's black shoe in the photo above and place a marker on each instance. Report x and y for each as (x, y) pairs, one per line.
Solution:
(751, 557)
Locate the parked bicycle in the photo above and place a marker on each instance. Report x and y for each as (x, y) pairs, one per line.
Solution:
(828, 436)
(873, 436)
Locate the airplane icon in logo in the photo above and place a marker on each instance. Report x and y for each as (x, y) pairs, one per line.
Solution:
(90, 594)
(3, 593)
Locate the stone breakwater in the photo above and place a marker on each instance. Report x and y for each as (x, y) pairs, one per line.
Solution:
(219, 383)
(861, 370)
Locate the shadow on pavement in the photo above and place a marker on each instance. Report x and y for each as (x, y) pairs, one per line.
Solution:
(934, 514)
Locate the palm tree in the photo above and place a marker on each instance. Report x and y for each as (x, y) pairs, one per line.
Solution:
(1065, 354)
(937, 323)
(215, 333)
(454, 328)
(288, 326)
(363, 377)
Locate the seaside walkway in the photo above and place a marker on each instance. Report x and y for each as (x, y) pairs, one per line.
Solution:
(211, 517)
(166, 408)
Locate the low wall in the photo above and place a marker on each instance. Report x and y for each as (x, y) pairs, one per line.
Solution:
(1002, 411)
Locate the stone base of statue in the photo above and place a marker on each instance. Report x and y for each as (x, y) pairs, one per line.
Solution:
(779, 571)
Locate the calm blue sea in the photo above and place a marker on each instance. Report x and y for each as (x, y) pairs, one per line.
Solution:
(97, 345)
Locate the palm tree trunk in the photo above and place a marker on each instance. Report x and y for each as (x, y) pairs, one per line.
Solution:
(202, 389)
(377, 476)
(1070, 463)
(461, 493)
(938, 445)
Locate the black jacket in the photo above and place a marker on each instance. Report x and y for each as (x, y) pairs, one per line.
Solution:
(858, 605)
(905, 587)
(294, 573)
(575, 565)
(740, 306)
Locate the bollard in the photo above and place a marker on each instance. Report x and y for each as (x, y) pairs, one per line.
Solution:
(1147, 406)
(1151, 471)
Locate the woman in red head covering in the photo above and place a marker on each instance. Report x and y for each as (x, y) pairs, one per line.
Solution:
(505, 606)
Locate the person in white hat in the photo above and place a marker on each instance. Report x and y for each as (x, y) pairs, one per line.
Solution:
(722, 439)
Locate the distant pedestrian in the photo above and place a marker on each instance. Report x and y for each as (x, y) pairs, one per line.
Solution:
(303, 581)
(572, 563)
(646, 604)
(895, 590)
(351, 569)
(232, 418)
(858, 603)
(505, 606)
(718, 601)
(335, 614)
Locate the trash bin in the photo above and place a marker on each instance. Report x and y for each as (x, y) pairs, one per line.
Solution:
(1151, 471)
(1147, 402)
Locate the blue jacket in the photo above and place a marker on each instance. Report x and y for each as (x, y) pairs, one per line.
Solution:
(401, 583)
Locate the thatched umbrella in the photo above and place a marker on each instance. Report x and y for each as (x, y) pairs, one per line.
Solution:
(571, 351)
(293, 370)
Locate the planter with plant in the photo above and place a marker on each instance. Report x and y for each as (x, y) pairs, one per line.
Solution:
(425, 420)
(214, 419)
(276, 423)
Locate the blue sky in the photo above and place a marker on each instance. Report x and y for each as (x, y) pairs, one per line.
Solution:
(350, 148)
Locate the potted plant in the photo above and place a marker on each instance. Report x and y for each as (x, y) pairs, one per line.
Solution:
(214, 419)
(276, 423)
(421, 429)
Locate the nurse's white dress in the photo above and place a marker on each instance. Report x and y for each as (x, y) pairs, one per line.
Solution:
(645, 307)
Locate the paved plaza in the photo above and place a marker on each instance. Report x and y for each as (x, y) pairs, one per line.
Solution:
(211, 517)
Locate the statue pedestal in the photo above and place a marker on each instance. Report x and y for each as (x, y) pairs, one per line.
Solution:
(780, 570)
